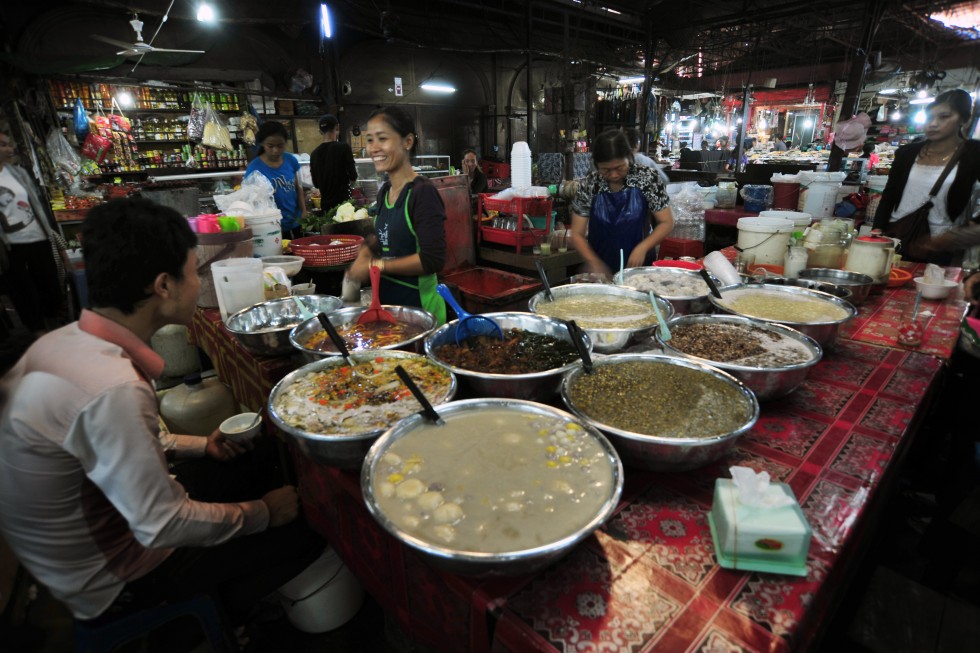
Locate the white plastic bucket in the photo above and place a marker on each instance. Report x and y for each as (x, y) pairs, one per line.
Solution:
(818, 192)
(767, 238)
(266, 229)
(801, 220)
(877, 182)
(324, 596)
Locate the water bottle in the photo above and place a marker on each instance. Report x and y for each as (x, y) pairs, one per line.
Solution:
(520, 166)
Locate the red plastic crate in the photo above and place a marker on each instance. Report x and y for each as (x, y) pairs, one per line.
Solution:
(677, 247)
(495, 170)
(533, 207)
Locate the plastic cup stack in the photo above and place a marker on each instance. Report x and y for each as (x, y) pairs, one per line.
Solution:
(520, 166)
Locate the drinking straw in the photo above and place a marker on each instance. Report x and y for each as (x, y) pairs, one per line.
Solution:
(621, 266)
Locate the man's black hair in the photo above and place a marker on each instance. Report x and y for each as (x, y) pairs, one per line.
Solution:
(126, 243)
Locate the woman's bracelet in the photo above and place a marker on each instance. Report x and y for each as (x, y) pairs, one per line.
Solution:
(378, 263)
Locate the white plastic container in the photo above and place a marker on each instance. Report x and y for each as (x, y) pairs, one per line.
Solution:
(801, 220)
(238, 284)
(197, 406)
(180, 357)
(767, 238)
(324, 596)
(520, 166)
(818, 192)
(266, 229)
(796, 258)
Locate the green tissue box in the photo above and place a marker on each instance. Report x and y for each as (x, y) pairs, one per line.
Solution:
(774, 540)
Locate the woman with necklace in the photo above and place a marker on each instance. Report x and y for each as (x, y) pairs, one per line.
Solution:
(410, 246)
(917, 167)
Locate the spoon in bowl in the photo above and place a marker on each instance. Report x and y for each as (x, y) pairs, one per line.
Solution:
(578, 339)
(427, 409)
(469, 325)
(664, 331)
(544, 280)
(338, 341)
(711, 283)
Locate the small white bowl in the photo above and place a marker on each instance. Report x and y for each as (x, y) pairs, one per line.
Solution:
(934, 291)
(291, 265)
(304, 288)
(237, 427)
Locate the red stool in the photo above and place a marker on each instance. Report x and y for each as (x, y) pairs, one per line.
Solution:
(677, 247)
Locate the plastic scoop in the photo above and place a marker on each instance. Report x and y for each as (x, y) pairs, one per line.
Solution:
(578, 339)
(664, 331)
(711, 283)
(469, 325)
(303, 311)
(427, 409)
(544, 281)
(375, 313)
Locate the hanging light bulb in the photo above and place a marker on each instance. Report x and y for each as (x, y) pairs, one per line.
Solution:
(920, 117)
(897, 115)
(326, 26)
(205, 13)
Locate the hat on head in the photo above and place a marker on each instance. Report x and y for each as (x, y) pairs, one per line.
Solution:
(852, 133)
(327, 122)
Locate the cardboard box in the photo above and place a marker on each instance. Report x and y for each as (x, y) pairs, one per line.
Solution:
(285, 107)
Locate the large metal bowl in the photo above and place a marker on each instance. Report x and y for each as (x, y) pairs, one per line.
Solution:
(264, 328)
(683, 304)
(536, 386)
(766, 382)
(337, 449)
(665, 454)
(825, 333)
(859, 284)
(829, 288)
(606, 341)
(477, 563)
(407, 314)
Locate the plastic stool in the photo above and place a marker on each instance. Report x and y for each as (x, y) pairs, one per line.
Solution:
(677, 247)
(139, 626)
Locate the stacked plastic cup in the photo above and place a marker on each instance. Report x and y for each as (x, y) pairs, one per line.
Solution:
(520, 166)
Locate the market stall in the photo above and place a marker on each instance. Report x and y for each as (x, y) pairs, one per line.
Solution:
(649, 576)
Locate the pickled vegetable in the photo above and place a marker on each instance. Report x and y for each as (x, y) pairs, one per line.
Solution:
(520, 352)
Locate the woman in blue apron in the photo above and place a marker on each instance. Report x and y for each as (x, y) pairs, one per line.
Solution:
(616, 206)
(410, 247)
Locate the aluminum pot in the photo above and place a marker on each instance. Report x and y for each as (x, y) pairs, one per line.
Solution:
(535, 386)
(766, 382)
(406, 314)
(605, 341)
(483, 564)
(337, 449)
(683, 304)
(264, 328)
(665, 454)
(859, 284)
(829, 288)
(825, 333)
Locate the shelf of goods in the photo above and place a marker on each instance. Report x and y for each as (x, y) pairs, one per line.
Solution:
(432, 165)
(511, 213)
(158, 118)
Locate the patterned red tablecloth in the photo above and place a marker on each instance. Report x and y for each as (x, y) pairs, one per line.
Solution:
(648, 579)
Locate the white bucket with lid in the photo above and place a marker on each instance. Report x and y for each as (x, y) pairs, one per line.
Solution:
(818, 192)
(266, 229)
(801, 220)
(877, 182)
(767, 238)
(324, 596)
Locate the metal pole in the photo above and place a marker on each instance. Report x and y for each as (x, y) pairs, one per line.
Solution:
(745, 125)
(647, 85)
(527, 71)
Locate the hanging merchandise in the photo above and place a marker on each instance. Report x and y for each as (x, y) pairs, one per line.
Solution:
(63, 156)
(216, 135)
(195, 123)
(96, 146)
(117, 121)
(81, 121)
(249, 127)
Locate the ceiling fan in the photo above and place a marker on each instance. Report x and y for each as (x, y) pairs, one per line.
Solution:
(140, 47)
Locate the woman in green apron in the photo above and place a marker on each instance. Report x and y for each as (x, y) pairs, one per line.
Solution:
(410, 247)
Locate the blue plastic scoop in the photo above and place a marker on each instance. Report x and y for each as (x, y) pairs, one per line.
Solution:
(469, 325)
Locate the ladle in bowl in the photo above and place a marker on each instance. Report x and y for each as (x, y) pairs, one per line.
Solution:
(469, 325)
(664, 329)
(711, 283)
(427, 409)
(338, 341)
(544, 280)
(375, 313)
(578, 339)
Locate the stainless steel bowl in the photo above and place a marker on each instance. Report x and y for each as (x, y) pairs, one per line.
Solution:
(665, 454)
(859, 284)
(536, 386)
(766, 382)
(607, 341)
(336, 449)
(837, 291)
(407, 314)
(825, 333)
(683, 304)
(264, 328)
(482, 564)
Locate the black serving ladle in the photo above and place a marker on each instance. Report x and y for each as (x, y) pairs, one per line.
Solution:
(578, 338)
(711, 283)
(427, 409)
(544, 280)
(337, 339)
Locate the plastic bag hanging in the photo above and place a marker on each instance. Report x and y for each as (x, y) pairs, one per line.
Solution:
(216, 135)
(81, 121)
(195, 123)
(64, 157)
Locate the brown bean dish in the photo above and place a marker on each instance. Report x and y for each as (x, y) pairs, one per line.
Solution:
(494, 481)
(738, 344)
(661, 399)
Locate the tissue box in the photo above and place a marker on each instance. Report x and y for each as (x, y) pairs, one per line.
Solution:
(758, 539)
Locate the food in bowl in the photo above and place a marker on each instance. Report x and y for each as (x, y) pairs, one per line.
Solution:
(370, 335)
(667, 282)
(519, 352)
(939, 290)
(596, 311)
(369, 396)
(739, 344)
(781, 307)
(495, 480)
(660, 399)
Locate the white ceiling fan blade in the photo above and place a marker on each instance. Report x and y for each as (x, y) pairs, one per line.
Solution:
(105, 39)
(180, 51)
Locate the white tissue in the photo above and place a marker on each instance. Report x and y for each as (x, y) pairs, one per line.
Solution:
(754, 489)
(934, 275)
(724, 271)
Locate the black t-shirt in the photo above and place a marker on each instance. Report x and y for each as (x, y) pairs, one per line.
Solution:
(428, 213)
(332, 169)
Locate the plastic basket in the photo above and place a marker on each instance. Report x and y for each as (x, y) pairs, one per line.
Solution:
(321, 251)
(530, 206)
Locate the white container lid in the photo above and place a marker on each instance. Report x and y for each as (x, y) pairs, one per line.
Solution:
(766, 225)
(799, 218)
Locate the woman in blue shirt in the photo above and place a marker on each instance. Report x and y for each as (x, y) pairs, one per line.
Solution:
(282, 169)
